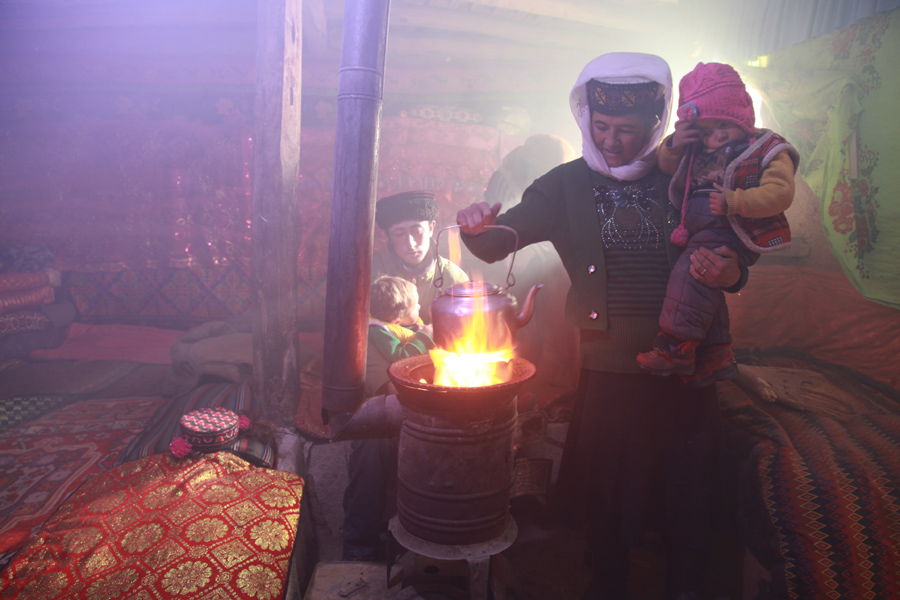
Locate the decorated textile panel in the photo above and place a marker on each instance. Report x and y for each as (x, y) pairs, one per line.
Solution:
(131, 176)
(217, 292)
(193, 292)
(157, 221)
(834, 99)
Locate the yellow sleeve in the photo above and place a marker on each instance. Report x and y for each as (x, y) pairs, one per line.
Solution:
(668, 157)
(774, 194)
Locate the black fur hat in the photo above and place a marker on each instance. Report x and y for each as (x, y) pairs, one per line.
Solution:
(416, 205)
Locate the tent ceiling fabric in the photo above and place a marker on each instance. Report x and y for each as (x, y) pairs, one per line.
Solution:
(547, 40)
(548, 31)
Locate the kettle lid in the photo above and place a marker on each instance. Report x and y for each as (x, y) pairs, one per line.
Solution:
(471, 289)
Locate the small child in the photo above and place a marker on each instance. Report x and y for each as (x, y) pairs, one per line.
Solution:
(395, 329)
(395, 332)
(732, 183)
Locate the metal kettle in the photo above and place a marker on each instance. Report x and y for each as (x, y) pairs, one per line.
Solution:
(455, 307)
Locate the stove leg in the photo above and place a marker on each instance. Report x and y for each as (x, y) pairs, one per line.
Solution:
(479, 574)
(390, 557)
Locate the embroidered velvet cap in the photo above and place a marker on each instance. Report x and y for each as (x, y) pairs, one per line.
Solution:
(209, 428)
(416, 205)
(626, 98)
(716, 91)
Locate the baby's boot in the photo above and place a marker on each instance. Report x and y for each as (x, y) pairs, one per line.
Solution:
(670, 356)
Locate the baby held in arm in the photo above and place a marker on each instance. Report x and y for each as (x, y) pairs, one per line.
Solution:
(731, 183)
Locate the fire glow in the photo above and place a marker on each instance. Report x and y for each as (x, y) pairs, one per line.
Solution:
(469, 362)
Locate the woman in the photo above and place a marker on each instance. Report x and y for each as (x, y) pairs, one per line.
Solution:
(641, 452)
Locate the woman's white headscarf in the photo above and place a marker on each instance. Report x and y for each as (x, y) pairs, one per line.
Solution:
(621, 67)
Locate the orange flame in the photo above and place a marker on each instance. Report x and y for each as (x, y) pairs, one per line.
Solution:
(469, 362)
(454, 250)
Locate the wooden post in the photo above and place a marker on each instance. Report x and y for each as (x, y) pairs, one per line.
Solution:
(360, 88)
(276, 173)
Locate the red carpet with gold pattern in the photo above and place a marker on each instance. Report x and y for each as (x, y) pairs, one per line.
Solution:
(207, 526)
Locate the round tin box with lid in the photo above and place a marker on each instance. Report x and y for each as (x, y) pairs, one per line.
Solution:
(209, 429)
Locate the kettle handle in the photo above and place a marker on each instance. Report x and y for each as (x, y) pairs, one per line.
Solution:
(510, 279)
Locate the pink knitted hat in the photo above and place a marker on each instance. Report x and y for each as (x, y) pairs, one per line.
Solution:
(715, 90)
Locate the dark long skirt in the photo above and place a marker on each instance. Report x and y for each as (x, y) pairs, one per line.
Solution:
(642, 455)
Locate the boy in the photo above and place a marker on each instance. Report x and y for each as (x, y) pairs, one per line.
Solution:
(408, 220)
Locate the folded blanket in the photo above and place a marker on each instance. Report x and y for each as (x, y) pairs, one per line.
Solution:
(133, 343)
(10, 282)
(23, 320)
(25, 299)
(213, 348)
(20, 345)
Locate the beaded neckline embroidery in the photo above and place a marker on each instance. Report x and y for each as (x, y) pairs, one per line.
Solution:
(630, 216)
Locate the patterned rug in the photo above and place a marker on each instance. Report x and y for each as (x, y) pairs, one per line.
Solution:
(144, 380)
(25, 408)
(43, 461)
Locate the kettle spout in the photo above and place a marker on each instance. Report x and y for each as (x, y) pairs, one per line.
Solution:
(527, 307)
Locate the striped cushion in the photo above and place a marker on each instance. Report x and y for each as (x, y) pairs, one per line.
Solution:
(165, 424)
(25, 299)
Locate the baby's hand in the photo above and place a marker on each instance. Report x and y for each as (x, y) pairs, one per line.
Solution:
(684, 134)
(429, 329)
(717, 204)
